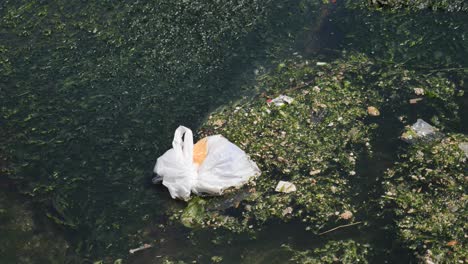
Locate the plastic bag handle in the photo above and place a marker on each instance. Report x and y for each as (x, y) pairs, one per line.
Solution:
(183, 143)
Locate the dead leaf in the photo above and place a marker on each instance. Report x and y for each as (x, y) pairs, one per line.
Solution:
(452, 243)
(346, 215)
(373, 111)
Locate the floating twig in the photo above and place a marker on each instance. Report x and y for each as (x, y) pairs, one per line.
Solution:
(338, 227)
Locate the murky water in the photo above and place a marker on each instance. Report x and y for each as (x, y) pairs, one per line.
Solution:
(91, 94)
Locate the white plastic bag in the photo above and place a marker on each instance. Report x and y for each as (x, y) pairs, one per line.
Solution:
(225, 166)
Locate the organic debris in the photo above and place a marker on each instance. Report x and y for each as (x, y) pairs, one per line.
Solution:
(373, 111)
(346, 215)
(334, 251)
(428, 194)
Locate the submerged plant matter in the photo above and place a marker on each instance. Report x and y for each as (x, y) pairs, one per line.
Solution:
(346, 252)
(91, 93)
(22, 231)
(428, 189)
(435, 5)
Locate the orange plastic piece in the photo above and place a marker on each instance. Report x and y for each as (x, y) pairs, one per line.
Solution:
(200, 151)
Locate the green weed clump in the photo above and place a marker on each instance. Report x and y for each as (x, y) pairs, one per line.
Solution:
(427, 190)
(345, 252)
(435, 5)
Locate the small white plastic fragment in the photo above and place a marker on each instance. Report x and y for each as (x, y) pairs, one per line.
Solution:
(419, 91)
(287, 210)
(321, 63)
(280, 100)
(285, 187)
(145, 246)
(464, 146)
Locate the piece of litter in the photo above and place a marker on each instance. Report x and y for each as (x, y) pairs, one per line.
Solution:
(421, 130)
(320, 63)
(419, 91)
(346, 215)
(464, 146)
(415, 100)
(145, 246)
(373, 111)
(189, 168)
(287, 211)
(280, 100)
(314, 172)
(285, 187)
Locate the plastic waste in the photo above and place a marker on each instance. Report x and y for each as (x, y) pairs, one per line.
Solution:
(280, 100)
(285, 187)
(143, 247)
(464, 147)
(421, 130)
(211, 166)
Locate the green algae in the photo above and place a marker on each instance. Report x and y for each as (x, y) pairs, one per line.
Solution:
(334, 252)
(25, 238)
(414, 5)
(91, 93)
(427, 190)
(430, 42)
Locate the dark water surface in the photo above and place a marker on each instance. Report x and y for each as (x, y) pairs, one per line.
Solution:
(91, 93)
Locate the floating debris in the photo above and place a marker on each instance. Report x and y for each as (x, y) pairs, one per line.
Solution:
(421, 130)
(415, 100)
(464, 146)
(452, 243)
(287, 210)
(285, 187)
(373, 111)
(429, 193)
(145, 246)
(419, 91)
(346, 215)
(314, 172)
(280, 100)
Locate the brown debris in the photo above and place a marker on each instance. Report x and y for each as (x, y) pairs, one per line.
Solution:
(373, 111)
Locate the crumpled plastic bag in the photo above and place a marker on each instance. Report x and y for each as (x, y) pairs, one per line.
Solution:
(216, 166)
(421, 131)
